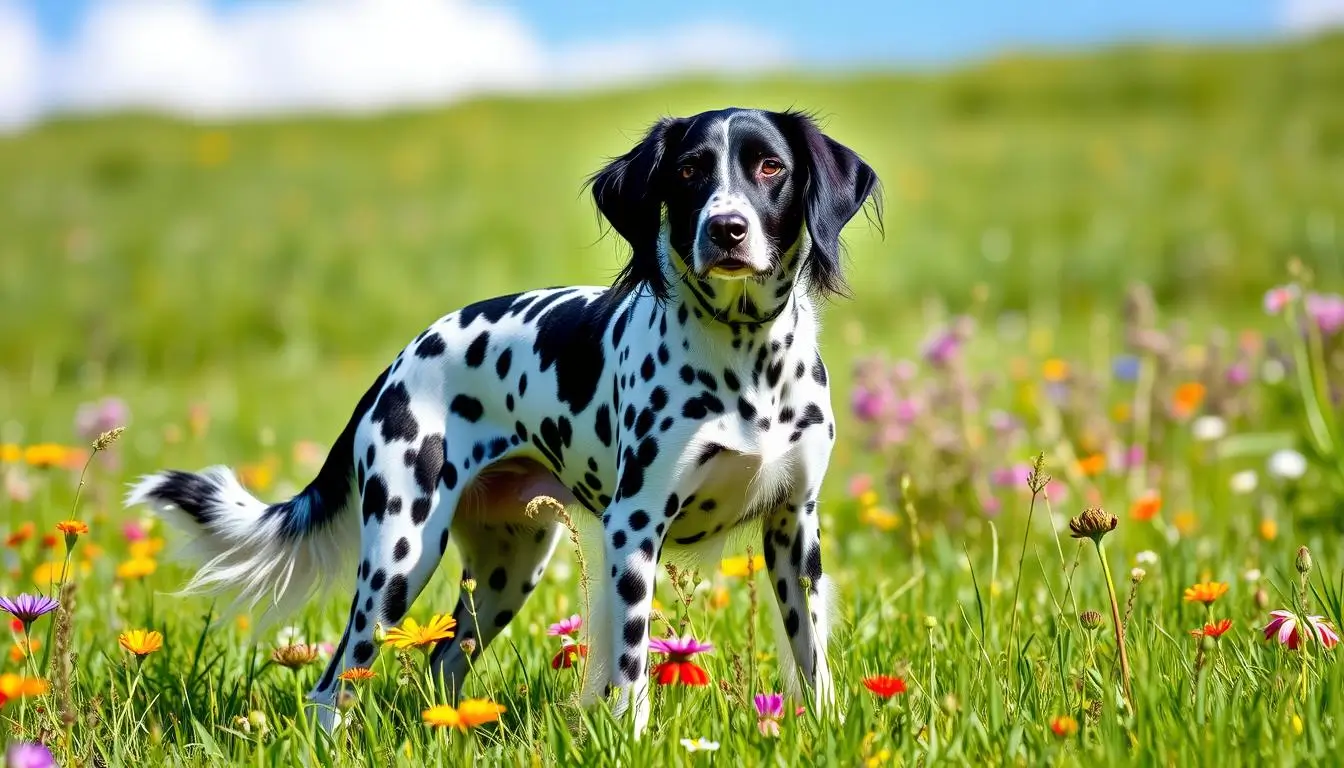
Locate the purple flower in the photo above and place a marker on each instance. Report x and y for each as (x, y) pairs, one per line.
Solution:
(1011, 477)
(1326, 311)
(769, 704)
(679, 647)
(906, 410)
(28, 755)
(28, 608)
(93, 419)
(940, 350)
(869, 403)
(1125, 367)
(1239, 374)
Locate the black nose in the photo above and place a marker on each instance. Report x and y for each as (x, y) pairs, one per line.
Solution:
(726, 230)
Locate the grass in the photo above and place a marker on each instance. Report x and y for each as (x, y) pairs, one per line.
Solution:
(208, 275)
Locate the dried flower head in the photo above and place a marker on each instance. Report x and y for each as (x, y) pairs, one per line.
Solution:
(295, 656)
(1090, 619)
(1094, 523)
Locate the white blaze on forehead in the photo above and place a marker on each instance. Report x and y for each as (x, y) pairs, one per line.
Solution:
(726, 201)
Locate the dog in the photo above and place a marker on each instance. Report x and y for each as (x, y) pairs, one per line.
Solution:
(684, 402)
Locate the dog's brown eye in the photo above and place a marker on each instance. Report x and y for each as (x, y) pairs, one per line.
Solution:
(770, 166)
(688, 172)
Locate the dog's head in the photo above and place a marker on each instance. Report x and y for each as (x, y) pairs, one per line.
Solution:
(737, 204)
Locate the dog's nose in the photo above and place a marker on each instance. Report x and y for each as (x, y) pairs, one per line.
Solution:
(726, 230)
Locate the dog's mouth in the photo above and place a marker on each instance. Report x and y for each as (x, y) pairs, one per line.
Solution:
(731, 266)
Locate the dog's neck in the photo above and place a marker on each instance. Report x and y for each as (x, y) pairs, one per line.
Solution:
(740, 308)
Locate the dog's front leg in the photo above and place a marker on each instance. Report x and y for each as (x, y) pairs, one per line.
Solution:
(634, 542)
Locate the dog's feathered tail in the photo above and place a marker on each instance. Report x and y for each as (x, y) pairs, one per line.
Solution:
(281, 553)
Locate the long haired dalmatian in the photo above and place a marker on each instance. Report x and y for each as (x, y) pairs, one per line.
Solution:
(685, 401)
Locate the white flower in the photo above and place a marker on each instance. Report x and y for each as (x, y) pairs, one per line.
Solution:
(1244, 481)
(1146, 557)
(1272, 371)
(1207, 429)
(1287, 464)
(1137, 574)
(1252, 575)
(700, 745)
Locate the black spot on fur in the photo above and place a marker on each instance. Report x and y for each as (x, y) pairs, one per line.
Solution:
(634, 631)
(393, 411)
(570, 338)
(402, 549)
(449, 475)
(618, 540)
(428, 463)
(672, 506)
(375, 498)
(420, 511)
(746, 410)
(491, 309)
(431, 346)
(394, 505)
(639, 520)
(379, 579)
(467, 407)
(503, 618)
(503, 362)
(791, 623)
(631, 587)
(499, 578)
(602, 424)
(394, 601)
(363, 652)
(476, 350)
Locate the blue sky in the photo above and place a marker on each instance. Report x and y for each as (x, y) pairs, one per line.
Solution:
(855, 31)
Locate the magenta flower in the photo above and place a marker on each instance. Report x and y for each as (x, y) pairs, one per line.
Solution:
(93, 419)
(28, 608)
(1011, 477)
(869, 403)
(28, 755)
(1279, 297)
(1283, 628)
(679, 647)
(133, 530)
(940, 350)
(679, 669)
(1326, 311)
(769, 710)
(1239, 374)
(565, 627)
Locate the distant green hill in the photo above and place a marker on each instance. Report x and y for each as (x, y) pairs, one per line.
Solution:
(146, 244)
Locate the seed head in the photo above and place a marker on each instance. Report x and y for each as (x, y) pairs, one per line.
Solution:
(1090, 619)
(1093, 524)
(1038, 479)
(1136, 575)
(296, 656)
(106, 439)
(469, 585)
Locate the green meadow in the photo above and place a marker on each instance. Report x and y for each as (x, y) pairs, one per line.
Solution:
(1096, 235)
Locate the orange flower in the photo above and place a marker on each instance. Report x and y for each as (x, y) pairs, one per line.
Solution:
(1146, 506)
(1206, 592)
(49, 540)
(1093, 465)
(1187, 399)
(23, 649)
(14, 686)
(1055, 370)
(72, 527)
(357, 674)
(141, 642)
(468, 714)
(885, 686)
(1269, 530)
(1064, 726)
(21, 534)
(1214, 629)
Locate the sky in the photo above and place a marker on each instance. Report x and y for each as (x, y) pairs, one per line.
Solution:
(231, 58)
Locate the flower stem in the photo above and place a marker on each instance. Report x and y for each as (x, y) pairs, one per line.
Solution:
(1115, 622)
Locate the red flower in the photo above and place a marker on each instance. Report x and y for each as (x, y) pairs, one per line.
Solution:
(680, 673)
(1215, 630)
(569, 655)
(885, 686)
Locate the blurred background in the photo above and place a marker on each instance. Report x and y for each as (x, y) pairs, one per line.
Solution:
(225, 201)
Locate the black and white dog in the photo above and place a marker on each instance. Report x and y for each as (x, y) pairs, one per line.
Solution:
(687, 400)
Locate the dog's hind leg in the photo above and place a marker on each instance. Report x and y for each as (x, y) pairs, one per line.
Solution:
(504, 553)
(408, 497)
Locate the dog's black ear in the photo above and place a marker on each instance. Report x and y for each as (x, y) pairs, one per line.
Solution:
(629, 194)
(838, 185)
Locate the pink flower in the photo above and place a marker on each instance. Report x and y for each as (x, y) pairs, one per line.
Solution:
(859, 485)
(769, 710)
(93, 419)
(1283, 628)
(134, 531)
(869, 403)
(1279, 297)
(565, 627)
(1327, 311)
(1239, 374)
(679, 647)
(1011, 477)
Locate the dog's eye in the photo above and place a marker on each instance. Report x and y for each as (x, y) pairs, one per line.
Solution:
(689, 171)
(771, 166)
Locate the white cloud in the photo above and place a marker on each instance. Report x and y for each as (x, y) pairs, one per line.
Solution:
(1311, 15)
(189, 59)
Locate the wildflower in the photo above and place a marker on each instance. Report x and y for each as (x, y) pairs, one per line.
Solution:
(136, 568)
(884, 686)
(1187, 398)
(1243, 482)
(720, 598)
(1269, 529)
(141, 642)
(49, 455)
(23, 649)
(880, 518)
(469, 714)
(1208, 429)
(21, 534)
(357, 674)
(72, 529)
(413, 635)
(146, 549)
(1303, 561)
(1206, 592)
(769, 711)
(93, 419)
(1252, 575)
(700, 744)
(1146, 507)
(1287, 464)
(741, 565)
(1064, 726)
(295, 656)
(679, 669)
(1283, 627)
(859, 485)
(1281, 296)
(23, 754)
(1213, 629)
(1137, 575)
(1185, 522)
(1092, 465)
(28, 608)
(1094, 524)
(1326, 311)
(565, 627)
(1055, 370)
(134, 531)
(1090, 619)
(14, 686)
(569, 654)
(1125, 368)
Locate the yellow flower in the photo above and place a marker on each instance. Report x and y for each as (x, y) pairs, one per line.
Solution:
(136, 568)
(1055, 370)
(880, 518)
(1269, 530)
(1206, 592)
(244, 622)
(1185, 522)
(47, 455)
(146, 549)
(469, 714)
(10, 453)
(141, 642)
(50, 572)
(357, 674)
(868, 498)
(1120, 413)
(740, 566)
(412, 635)
(257, 477)
(14, 686)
